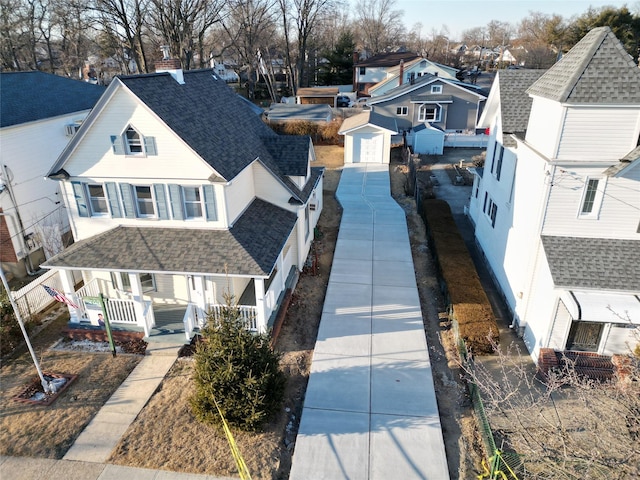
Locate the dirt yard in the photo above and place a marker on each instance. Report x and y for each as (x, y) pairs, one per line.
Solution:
(166, 436)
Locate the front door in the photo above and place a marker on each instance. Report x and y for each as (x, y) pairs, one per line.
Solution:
(585, 336)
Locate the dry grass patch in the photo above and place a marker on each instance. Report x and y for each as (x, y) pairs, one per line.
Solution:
(48, 431)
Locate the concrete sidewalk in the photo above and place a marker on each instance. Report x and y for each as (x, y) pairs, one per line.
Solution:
(370, 410)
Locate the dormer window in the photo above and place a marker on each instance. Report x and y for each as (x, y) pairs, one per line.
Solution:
(132, 142)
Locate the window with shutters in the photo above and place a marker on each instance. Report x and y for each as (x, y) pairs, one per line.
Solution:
(97, 200)
(133, 143)
(145, 205)
(192, 199)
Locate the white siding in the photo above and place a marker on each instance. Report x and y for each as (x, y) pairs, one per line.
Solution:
(617, 216)
(95, 157)
(545, 124)
(621, 339)
(560, 328)
(239, 194)
(28, 151)
(270, 189)
(598, 134)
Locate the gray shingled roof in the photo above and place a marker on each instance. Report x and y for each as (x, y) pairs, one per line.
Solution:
(626, 161)
(291, 153)
(432, 98)
(251, 247)
(515, 104)
(208, 116)
(593, 263)
(369, 117)
(597, 70)
(387, 59)
(31, 96)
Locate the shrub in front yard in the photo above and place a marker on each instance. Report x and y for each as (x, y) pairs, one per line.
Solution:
(238, 370)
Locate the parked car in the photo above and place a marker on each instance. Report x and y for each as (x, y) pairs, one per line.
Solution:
(359, 103)
(343, 101)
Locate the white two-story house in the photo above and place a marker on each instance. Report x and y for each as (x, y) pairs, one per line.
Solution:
(179, 194)
(39, 113)
(556, 206)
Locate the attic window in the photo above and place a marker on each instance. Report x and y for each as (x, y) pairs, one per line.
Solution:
(133, 141)
(436, 89)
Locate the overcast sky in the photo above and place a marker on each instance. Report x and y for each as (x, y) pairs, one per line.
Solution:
(459, 15)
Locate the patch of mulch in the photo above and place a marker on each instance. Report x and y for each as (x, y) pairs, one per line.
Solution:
(34, 392)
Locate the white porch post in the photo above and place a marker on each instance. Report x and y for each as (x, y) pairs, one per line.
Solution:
(138, 301)
(261, 315)
(66, 279)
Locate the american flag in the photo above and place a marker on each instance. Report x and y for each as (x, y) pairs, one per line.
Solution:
(59, 296)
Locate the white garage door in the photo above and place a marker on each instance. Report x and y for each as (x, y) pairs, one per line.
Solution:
(370, 150)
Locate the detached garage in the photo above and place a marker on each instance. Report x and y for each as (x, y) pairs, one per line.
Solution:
(367, 138)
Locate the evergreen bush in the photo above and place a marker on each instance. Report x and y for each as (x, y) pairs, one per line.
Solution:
(237, 369)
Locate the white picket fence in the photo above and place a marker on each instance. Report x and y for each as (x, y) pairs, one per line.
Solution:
(465, 140)
(33, 299)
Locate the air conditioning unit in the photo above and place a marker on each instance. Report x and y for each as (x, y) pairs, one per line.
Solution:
(71, 128)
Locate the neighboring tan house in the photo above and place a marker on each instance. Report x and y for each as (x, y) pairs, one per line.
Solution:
(39, 113)
(431, 112)
(556, 205)
(179, 194)
(373, 70)
(408, 72)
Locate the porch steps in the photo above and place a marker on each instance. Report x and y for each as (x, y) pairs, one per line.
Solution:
(169, 328)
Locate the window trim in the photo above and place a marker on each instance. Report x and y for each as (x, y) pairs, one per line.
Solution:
(402, 111)
(186, 202)
(596, 200)
(422, 116)
(122, 283)
(436, 89)
(132, 142)
(151, 200)
(92, 211)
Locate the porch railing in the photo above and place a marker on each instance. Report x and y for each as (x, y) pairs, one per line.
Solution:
(32, 299)
(247, 313)
(190, 320)
(149, 318)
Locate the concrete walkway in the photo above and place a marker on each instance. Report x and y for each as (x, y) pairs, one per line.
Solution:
(370, 410)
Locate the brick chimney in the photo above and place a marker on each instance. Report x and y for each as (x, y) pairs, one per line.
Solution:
(401, 77)
(170, 65)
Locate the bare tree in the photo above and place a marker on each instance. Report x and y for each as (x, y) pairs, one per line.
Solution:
(183, 25)
(249, 27)
(125, 21)
(304, 15)
(499, 33)
(74, 24)
(379, 24)
(11, 28)
(567, 426)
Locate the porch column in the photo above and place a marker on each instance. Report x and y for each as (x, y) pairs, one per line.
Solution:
(66, 279)
(138, 302)
(261, 315)
(283, 274)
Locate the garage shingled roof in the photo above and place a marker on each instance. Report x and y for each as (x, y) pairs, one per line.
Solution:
(250, 247)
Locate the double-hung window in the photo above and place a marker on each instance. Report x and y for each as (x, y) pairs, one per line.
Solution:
(144, 201)
(490, 209)
(436, 89)
(121, 281)
(97, 200)
(402, 111)
(192, 199)
(429, 113)
(133, 143)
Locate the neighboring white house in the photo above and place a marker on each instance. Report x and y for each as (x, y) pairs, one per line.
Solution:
(373, 70)
(39, 113)
(178, 194)
(556, 205)
(408, 72)
(367, 137)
